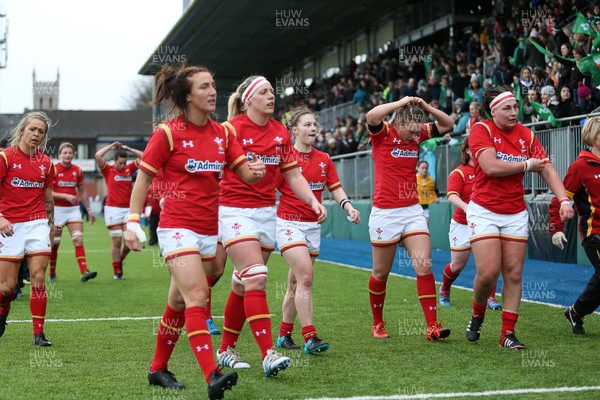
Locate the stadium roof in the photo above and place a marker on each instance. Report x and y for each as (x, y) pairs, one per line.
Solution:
(236, 38)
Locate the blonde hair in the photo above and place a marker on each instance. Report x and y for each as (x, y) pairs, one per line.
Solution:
(407, 113)
(65, 144)
(590, 131)
(17, 132)
(234, 104)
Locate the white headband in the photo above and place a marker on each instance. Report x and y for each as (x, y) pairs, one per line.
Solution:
(501, 98)
(252, 88)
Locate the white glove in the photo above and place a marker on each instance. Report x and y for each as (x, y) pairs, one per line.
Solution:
(139, 232)
(559, 240)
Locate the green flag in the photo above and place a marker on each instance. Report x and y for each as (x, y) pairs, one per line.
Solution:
(582, 25)
(545, 114)
(519, 98)
(541, 49)
(590, 65)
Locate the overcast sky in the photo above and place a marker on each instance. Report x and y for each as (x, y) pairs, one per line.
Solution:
(98, 46)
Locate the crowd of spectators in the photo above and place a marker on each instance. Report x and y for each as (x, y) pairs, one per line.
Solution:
(502, 50)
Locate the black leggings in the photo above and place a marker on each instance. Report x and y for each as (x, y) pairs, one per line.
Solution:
(589, 299)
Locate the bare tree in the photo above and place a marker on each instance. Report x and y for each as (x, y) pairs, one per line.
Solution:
(141, 94)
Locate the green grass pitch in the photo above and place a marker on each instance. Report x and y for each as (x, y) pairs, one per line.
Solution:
(109, 359)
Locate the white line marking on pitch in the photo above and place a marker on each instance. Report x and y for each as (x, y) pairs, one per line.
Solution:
(97, 319)
(509, 392)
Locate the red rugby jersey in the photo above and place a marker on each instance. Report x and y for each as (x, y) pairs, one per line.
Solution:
(582, 183)
(395, 163)
(119, 184)
(24, 178)
(460, 183)
(502, 195)
(67, 180)
(191, 159)
(319, 171)
(271, 144)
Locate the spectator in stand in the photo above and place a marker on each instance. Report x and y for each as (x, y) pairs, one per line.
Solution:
(533, 55)
(346, 144)
(410, 89)
(473, 48)
(433, 89)
(463, 120)
(504, 72)
(518, 55)
(529, 114)
(566, 107)
(541, 78)
(475, 115)
(525, 78)
(548, 97)
(361, 96)
(387, 95)
(589, 99)
(445, 95)
(332, 147)
(460, 81)
(474, 92)
(397, 94)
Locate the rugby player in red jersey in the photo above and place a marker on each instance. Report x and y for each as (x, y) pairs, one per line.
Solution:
(396, 217)
(503, 150)
(191, 152)
(68, 190)
(119, 181)
(247, 220)
(26, 217)
(298, 232)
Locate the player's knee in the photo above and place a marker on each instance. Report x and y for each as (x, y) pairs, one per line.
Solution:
(305, 281)
(77, 238)
(8, 285)
(115, 233)
(254, 277)
(197, 297)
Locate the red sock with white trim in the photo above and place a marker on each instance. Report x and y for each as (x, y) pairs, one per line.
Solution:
(448, 278)
(259, 319)
(286, 329)
(167, 336)
(199, 337)
(37, 306)
(81, 259)
(235, 316)
(377, 298)
(427, 297)
(309, 332)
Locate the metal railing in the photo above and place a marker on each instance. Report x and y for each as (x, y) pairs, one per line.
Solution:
(562, 145)
(327, 116)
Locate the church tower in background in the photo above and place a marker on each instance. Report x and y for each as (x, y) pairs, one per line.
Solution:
(45, 93)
